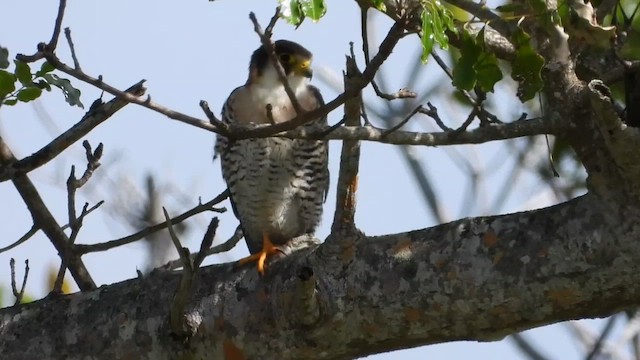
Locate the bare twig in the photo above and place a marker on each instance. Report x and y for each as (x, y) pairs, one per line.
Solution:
(403, 122)
(84, 213)
(43, 219)
(265, 39)
(67, 34)
(51, 46)
(432, 112)
(402, 93)
(34, 229)
(14, 288)
(73, 184)
(205, 245)
(268, 31)
(85, 249)
(94, 117)
(179, 324)
(225, 246)
(211, 116)
(182, 251)
(148, 103)
(468, 121)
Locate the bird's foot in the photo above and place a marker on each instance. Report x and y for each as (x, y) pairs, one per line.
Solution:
(268, 249)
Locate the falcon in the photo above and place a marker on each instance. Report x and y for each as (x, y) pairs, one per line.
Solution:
(277, 186)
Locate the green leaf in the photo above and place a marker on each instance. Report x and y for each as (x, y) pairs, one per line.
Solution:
(71, 94)
(426, 35)
(314, 9)
(464, 74)
(379, 4)
(29, 94)
(526, 67)
(487, 70)
(436, 21)
(10, 102)
(7, 83)
(291, 11)
(4, 58)
(476, 66)
(43, 85)
(45, 68)
(23, 72)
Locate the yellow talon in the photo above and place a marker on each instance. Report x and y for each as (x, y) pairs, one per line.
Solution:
(268, 249)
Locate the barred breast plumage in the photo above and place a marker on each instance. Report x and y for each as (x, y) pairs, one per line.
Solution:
(277, 185)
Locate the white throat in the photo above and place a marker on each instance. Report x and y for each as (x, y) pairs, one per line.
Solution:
(268, 89)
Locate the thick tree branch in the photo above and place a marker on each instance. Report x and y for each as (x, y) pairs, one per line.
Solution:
(472, 279)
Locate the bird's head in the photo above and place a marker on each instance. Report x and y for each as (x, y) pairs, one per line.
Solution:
(294, 58)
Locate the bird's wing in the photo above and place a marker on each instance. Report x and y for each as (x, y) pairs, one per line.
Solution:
(321, 123)
(223, 144)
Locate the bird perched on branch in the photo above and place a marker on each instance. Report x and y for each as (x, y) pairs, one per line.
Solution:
(277, 186)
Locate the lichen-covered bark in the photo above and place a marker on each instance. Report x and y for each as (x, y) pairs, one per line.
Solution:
(473, 279)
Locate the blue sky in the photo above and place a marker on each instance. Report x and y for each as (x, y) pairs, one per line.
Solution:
(195, 50)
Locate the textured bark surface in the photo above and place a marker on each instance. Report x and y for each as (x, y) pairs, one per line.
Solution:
(473, 279)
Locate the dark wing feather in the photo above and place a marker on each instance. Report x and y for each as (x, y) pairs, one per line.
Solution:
(320, 123)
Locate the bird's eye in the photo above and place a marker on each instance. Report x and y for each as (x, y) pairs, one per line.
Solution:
(285, 58)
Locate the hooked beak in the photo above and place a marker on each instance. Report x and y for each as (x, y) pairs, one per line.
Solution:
(303, 68)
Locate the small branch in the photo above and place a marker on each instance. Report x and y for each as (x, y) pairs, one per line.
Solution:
(43, 219)
(67, 34)
(343, 219)
(83, 214)
(85, 249)
(403, 122)
(432, 112)
(51, 46)
(73, 184)
(211, 116)
(182, 251)
(480, 135)
(16, 293)
(402, 93)
(94, 117)
(468, 121)
(179, 323)
(225, 246)
(205, 245)
(265, 39)
(268, 31)
(147, 103)
(34, 229)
